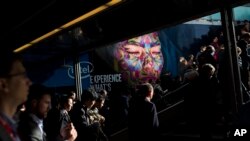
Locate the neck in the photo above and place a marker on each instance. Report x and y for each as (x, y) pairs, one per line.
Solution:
(7, 108)
(148, 98)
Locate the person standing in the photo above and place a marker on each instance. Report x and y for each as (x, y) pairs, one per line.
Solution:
(14, 88)
(80, 117)
(143, 118)
(58, 119)
(245, 59)
(30, 125)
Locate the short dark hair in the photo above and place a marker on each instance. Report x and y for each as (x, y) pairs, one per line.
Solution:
(89, 94)
(144, 89)
(100, 98)
(36, 92)
(103, 92)
(64, 99)
(7, 58)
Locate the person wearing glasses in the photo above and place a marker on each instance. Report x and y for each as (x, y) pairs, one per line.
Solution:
(14, 88)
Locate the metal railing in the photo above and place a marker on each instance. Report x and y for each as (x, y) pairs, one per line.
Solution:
(162, 111)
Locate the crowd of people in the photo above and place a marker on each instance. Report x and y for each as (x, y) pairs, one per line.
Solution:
(26, 113)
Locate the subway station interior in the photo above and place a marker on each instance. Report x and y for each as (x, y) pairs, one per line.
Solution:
(69, 45)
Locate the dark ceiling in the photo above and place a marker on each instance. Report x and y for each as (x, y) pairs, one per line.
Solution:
(27, 20)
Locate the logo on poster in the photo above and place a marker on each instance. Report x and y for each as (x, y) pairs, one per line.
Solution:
(86, 69)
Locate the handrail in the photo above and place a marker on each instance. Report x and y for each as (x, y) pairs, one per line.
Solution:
(177, 103)
(170, 107)
(120, 131)
(176, 90)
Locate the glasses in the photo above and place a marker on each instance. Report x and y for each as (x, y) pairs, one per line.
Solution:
(17, 74)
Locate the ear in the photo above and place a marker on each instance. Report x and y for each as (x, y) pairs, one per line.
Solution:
(151, 94)
(34, 103)
(3, 85)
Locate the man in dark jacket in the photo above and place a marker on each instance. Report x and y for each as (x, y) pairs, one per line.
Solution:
(86, 128)
(143, 118)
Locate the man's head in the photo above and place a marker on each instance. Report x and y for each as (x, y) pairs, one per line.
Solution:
(207, 70)
(146, 90)
(39, 101)
(140, 58)
(14, 83)
(72, 95)
(89, 97)
(66, 102)
(104, 93)
(100, 101)
(246, 37)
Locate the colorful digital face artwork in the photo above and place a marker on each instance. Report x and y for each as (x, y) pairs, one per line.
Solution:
(139, 59)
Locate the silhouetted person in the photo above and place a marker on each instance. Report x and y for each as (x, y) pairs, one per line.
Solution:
(58, 119)
(86, 129)
(143, 118)
(243, 44)
(207, 57)
(205, 92)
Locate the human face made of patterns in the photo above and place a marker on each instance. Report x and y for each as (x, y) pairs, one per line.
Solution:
(140, 59)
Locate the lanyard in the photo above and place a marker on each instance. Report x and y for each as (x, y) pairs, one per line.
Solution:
(8, 128)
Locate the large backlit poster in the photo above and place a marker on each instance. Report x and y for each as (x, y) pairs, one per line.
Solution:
(144, 58)
(128, 62)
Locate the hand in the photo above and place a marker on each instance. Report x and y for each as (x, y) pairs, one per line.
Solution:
(102, 119)
(69, 132)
